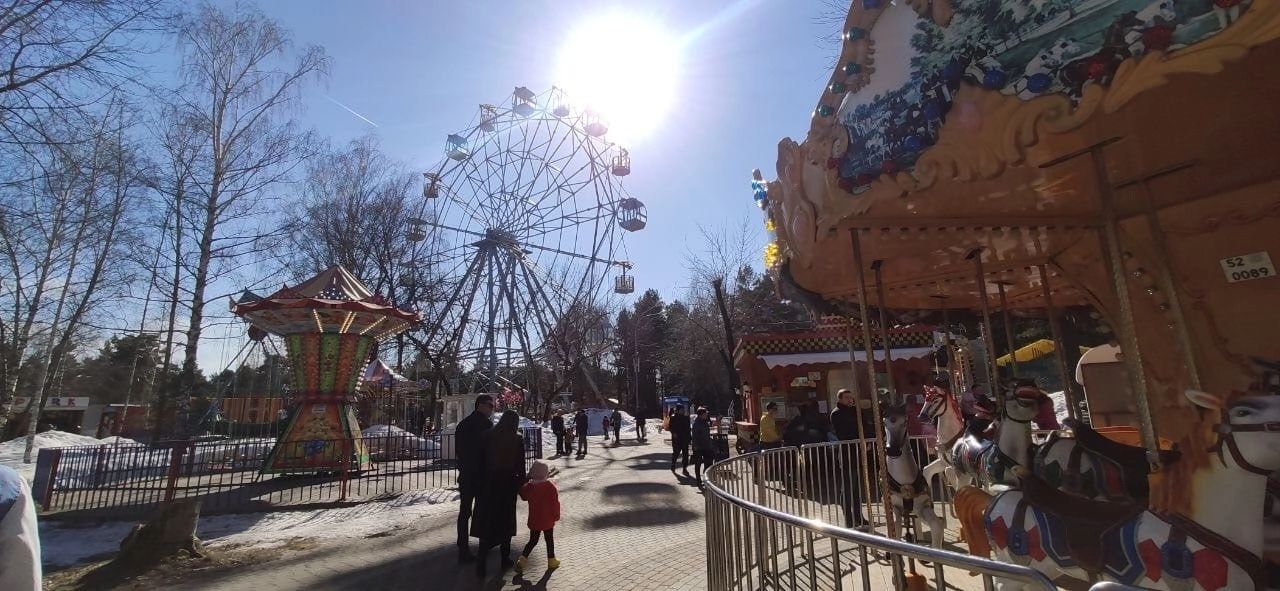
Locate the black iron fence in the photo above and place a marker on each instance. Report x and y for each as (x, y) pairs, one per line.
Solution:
(227, 475)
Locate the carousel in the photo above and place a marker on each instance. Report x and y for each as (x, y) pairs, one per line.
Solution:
(331, 325)
(1019, 158)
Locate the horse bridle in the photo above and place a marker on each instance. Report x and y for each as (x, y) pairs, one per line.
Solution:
(1226, 438)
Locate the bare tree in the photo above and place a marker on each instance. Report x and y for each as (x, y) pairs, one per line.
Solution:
(57, 244)
(723, 254)
(58, 57)
(240, 93)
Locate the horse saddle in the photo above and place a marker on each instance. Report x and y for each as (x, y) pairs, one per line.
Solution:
(1130, 458)
(1084, 522)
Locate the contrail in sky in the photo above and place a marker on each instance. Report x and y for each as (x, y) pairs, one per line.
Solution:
(350, 110)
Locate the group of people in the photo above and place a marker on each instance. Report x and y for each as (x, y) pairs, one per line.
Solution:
(491, 475)
(812, 427)
(567, 431)
(686, 434)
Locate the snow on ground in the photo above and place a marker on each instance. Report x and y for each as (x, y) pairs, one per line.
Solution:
(394, 441)
(65, 543)
(11, 451)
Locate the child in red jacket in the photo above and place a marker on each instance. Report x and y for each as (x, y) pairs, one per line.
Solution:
(544, 512)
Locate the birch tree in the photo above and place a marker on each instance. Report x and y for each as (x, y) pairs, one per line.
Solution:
(241, 82)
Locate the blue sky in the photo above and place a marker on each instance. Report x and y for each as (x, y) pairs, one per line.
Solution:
(752, 72)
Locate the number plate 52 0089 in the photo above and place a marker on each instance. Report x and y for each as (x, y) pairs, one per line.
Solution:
(1255, 265)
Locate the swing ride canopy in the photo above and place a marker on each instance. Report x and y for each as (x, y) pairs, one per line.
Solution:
(332, 301)
(1021, 135)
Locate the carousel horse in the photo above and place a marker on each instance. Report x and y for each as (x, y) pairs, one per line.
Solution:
(1218, 546)
(908, 489)
(1093, 466)
(943, 409)
(984, 463)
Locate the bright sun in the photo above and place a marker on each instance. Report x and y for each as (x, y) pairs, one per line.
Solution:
(626, 68)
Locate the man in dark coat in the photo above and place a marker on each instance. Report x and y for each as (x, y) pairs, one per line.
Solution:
(557, 427)
(615, 421)
(580, 428)
(468, 443)
(681, 437)
(844, 422)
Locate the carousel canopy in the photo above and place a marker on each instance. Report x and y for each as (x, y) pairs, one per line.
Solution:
(332, 302)
(995, 130)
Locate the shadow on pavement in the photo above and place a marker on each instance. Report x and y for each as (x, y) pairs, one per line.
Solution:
(653, 461)
(527, 584)
(640, 489)
(647, 517)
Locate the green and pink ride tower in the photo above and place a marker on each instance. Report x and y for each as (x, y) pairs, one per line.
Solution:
(331, 325)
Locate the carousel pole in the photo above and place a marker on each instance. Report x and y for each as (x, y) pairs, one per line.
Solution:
(864, 475)
(989, 340)
(1165, 273)
(1055, 330)
(882, 460)
(1008, 326)
(1113, 257)
(876, 267)
(946, 342)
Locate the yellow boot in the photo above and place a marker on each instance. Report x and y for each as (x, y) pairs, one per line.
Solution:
(521, 563)
(553, 563)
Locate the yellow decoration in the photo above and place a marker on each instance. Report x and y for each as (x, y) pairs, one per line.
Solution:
(772, 255)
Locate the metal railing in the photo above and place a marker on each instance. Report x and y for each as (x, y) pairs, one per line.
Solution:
(226, 475)
(773, 523)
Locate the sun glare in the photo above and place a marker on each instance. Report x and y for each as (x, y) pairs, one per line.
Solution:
(626, 68)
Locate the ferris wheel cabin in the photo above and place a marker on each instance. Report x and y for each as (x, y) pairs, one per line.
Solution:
(632, 215)
(622, 164)
(624, 283)
(431, 185)
(522, 101)
(594, 125)
(488, 115)
(456, 147)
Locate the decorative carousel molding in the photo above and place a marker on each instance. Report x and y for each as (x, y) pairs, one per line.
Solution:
(986, 131)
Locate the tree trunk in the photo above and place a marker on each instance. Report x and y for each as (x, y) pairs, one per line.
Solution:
(187, 382)
(717, 285)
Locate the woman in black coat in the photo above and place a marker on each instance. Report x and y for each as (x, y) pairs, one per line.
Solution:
(494, 521)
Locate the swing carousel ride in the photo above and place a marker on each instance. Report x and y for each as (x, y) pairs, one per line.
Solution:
(331, 325)
(1112, 154)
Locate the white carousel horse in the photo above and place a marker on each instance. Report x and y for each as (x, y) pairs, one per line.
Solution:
(943, 409)
(908, 489)
(987, 464)
(1217, 546)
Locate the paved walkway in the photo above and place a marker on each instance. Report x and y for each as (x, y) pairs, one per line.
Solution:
(627, 524)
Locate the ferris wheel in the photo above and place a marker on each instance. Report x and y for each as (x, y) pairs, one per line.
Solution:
(523, 223)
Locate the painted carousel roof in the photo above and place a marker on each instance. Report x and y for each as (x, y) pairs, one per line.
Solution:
(894, 106)
(333, 301)
(954, 132)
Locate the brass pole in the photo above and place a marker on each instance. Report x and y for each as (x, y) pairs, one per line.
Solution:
(864, 475)
(1008, 327)
(946, 332)
(1164, 274)
(1113, 257)
(993, 389)
(1055, 330)
(881, 459)
(884, 330)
